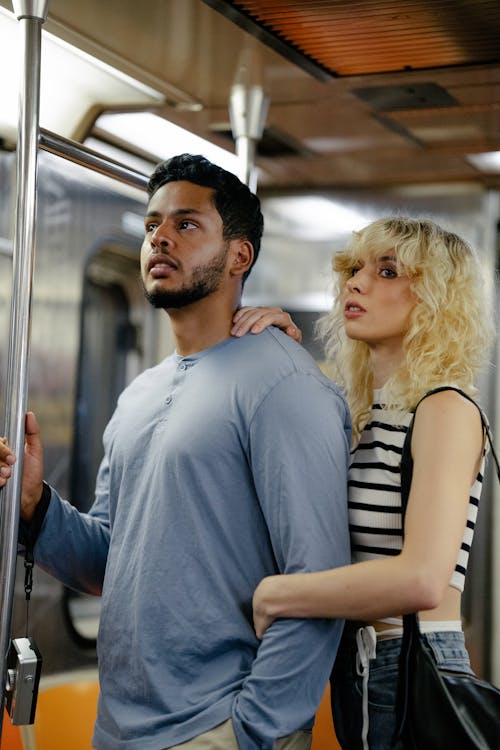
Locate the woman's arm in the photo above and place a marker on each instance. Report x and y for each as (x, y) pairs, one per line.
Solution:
(256, 319)
(447, 446)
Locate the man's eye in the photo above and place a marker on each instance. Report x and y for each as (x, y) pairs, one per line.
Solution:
(186, 224)
(150, 226)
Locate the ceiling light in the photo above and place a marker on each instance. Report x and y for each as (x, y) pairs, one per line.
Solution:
(314, 217)
(159, 137)
(488, 161)
(72, 82)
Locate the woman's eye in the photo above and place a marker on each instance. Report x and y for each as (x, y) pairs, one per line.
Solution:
(353, 271)
(388, 273)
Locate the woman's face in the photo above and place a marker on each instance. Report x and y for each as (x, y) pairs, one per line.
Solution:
(378, 303)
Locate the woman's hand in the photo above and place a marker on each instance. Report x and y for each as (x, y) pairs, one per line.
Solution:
(32, 485)
(262, 618)
(256, 319)
(7, 460)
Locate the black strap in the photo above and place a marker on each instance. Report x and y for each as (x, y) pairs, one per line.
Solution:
(411, 628)
(28, 532)
(407, 460)
(27, 536)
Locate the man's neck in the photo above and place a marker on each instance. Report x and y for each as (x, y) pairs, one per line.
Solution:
(201, 326)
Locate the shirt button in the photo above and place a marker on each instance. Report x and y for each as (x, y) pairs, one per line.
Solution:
(168, 400)
(182, 366)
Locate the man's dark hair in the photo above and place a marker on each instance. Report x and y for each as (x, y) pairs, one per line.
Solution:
(238, 207)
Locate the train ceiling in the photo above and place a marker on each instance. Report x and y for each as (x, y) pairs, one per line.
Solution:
(359, 37)
(363, 93)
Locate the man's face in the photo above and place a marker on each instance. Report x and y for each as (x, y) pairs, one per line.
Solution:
(183, 256)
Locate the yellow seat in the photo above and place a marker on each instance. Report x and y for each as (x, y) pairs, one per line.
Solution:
(65, 713)
(11, 735)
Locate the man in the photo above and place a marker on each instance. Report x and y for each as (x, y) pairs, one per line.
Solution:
(225, 463)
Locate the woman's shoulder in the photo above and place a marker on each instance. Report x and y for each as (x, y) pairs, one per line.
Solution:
(448, 402)
(445, 417)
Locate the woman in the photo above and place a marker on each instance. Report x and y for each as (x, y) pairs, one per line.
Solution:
(409, 316)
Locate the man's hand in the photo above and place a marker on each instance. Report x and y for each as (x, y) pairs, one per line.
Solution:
(32, 484)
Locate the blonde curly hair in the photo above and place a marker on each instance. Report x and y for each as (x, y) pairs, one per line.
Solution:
(450, 330)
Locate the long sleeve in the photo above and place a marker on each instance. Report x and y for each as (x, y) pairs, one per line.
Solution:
(299, 451)
(73, 546)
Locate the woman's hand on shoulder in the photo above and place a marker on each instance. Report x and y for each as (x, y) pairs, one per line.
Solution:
(256, 319)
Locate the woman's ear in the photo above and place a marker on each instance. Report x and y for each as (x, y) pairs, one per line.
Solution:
(242, 257)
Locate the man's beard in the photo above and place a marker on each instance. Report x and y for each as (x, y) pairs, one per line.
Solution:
(204, 281)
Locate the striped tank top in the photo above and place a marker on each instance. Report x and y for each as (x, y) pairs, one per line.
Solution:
(375, 494)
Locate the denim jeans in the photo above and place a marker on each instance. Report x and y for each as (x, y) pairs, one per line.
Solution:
(448, 649)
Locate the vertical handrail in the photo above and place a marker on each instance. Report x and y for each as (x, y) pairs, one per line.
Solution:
(248, 108)
(31, 14)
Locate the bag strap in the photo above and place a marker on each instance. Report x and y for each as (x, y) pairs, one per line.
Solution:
(411, 628)
(407, 460)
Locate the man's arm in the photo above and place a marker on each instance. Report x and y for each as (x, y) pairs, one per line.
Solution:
(299, 448)
(73, 546)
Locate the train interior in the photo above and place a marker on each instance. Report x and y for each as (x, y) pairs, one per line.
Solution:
(362, 109)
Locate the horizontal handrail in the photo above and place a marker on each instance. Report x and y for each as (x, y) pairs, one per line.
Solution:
(86, 157)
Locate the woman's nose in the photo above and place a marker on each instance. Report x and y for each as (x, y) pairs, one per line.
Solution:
(354, 283)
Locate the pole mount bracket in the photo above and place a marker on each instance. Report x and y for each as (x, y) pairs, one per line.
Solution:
(36, 9)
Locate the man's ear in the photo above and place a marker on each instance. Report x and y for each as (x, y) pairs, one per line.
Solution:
(241, 257)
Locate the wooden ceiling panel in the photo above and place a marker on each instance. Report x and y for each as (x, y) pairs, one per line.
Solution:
(359, 37)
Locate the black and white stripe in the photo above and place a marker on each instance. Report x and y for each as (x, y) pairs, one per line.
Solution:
(375, 495)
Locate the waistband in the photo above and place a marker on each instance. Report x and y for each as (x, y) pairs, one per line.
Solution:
(426, 626)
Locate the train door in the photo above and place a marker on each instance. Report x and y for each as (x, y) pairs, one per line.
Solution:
(115, 327)
(107, 339)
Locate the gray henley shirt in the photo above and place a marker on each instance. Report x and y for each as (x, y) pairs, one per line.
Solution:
(220, 468)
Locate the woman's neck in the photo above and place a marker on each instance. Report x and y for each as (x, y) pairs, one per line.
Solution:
(384, 363)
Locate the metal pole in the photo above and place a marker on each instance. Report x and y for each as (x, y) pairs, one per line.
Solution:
(245, 151)
(248, 111)
(31, 15)
(248, 106)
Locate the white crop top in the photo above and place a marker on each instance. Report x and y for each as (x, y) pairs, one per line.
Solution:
(375, 495)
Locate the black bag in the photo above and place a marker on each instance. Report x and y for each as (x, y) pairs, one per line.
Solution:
(439, 709)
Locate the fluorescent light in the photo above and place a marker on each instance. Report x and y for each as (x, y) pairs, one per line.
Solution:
(94, 62)
(157, 136)
(313, 217)
(72, 82)
(488, 161)
(9, 65)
